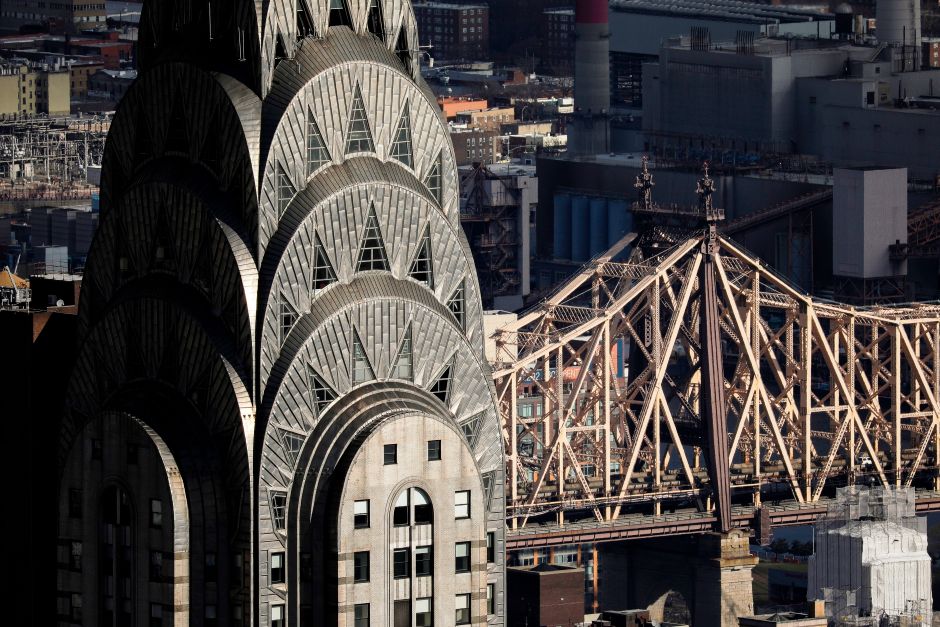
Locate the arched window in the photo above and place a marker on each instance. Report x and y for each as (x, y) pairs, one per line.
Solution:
(413, 504)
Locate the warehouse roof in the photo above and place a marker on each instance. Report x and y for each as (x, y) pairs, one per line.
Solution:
(730, 10)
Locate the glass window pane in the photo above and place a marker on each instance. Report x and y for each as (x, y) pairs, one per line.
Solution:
(361, 514)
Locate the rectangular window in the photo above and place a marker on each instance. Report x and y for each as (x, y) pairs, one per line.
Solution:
(361, 614)
(491, 598)
(277, 616)
(360, 566)
(462, 504)
(95, 444)
(156, 513)
(462, 557)
(490, 547)
(361, 514)
(463, 609)
(212, 569)
(156, 615)
(391, 454)
(434, 450)
(402, 563)
(423, 616)
(277, 567)
(75, 503)
(424, 561)
(156, 566)
(75, 555)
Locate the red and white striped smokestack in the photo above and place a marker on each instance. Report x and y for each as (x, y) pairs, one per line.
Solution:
(592, 56)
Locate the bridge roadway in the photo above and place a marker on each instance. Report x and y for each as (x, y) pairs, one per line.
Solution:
(637, 526)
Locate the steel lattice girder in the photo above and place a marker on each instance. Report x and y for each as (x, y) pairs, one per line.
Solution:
(813, 390)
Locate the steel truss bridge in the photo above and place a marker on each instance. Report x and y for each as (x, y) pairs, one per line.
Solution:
(688, 388)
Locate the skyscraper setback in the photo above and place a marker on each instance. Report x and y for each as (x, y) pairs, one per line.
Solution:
(279, 412)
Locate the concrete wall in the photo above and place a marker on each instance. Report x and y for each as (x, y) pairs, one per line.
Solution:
(869, 214)
(59, 93)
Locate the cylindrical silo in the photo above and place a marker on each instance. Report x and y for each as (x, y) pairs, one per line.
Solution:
(619, 221)
(898, 24)
(580, 229)
(598, 226)
(562, 246)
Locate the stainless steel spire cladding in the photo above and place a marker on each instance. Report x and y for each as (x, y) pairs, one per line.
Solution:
(279, 291)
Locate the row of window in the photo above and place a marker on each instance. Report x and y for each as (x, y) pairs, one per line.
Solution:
(424, 615)
(75, 508)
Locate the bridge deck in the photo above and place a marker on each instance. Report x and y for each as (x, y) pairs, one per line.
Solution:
(637, 526)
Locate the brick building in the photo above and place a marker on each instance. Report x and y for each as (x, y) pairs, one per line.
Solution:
(547, 594)
(475, 146)
(487, 119)
(930, 56)
(456, 31)
(28, 89)
(558, 35)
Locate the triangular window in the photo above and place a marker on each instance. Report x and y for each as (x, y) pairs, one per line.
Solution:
(287, 317)
(322, 393)
(404, 362)
(376, 24)
(285, 190)
(372, 247)
(317, 154)
(422, 268)
(471, 428)
(323, 273)
(177, 137)
(401, 145)
(457, 305)
(293, 442)
(441, 387)
(403, 50)
(339, 13)
(361, 368)
(304, 22)
(359, 133)
(143, 143)
(433, 180)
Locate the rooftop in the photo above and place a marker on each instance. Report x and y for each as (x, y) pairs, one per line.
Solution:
(727, 10)
(10, 281)
(450, 7)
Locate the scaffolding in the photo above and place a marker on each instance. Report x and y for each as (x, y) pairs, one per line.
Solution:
(489, 213)
(870, 563)
(49, 158)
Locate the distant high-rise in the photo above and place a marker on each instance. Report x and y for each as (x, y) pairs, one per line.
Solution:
(280, 412)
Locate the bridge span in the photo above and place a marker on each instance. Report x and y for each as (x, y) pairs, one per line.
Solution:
(681, 374)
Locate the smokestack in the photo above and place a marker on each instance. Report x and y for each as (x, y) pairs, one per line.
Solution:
(592, 56)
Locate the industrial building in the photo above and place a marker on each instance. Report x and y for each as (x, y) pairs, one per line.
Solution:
(497, 207)
(454, 31)
(638, 28)
(279, 412)
(843, 102)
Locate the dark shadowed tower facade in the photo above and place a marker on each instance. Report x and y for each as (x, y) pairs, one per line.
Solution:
(280, 413)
